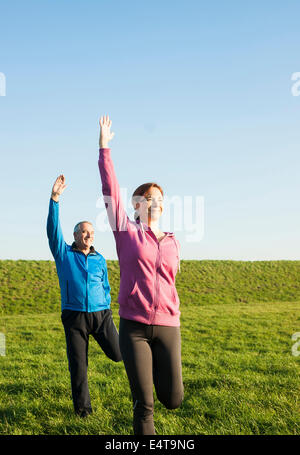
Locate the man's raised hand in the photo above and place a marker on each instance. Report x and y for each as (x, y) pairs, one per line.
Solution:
(58, 187)
(105, 133)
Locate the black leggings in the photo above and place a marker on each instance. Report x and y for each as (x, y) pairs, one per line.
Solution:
(151, 353)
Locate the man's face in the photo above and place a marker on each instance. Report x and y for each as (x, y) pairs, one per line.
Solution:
(84, 237)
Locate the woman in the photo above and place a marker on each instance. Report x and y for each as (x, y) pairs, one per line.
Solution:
(149, 331)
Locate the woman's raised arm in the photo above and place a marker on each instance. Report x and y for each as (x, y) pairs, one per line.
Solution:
(110, 187)
(105, 133)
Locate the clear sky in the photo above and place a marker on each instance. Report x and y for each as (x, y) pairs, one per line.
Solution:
(200, 98)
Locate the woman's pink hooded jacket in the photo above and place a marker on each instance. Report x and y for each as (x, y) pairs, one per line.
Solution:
(147, 267)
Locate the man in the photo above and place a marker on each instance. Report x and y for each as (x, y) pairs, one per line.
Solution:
(85, 298)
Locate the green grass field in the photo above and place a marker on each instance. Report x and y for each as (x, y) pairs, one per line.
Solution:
(32, 286)
(239, 374)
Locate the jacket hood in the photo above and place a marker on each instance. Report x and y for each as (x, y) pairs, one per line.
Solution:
(168, 234)
(75, 248)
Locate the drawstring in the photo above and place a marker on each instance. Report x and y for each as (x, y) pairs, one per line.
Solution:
(177, 253)
(145, 237)
(143, 231)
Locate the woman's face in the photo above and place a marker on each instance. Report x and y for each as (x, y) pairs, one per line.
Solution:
(150, 206)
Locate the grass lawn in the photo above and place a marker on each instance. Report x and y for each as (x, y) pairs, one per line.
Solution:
(240, 376)
(29, 287)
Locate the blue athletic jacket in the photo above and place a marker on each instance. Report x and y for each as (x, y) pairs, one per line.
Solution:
(83, 279)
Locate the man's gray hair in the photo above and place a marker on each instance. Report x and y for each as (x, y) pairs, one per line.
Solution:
(77, 227)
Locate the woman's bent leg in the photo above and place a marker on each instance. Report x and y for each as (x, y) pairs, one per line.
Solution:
(167, 370)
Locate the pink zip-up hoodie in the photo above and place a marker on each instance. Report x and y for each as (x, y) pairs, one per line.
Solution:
(147, 266)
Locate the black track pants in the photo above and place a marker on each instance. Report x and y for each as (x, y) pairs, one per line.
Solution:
(78, 326)
(151, 353)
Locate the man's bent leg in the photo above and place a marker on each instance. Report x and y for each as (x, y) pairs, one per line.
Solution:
(106, 334)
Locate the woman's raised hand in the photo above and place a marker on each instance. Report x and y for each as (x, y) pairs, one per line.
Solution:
(105, 133)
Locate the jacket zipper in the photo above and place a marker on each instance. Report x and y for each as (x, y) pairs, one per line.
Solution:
(87, 275)
(68, 292)
(157, 265)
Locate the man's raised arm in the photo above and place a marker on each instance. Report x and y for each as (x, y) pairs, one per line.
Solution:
(54, 232)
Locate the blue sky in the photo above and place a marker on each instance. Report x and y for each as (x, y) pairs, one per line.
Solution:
(200, 98)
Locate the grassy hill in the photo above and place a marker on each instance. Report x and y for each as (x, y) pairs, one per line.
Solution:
(239, 373)
(239, 376)
(32, 286)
